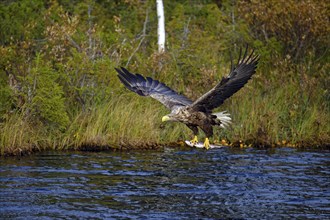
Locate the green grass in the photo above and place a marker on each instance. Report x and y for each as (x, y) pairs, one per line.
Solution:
(285, 115)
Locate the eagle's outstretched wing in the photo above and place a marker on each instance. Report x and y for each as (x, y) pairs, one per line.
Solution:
(237, 78)
(153, 88)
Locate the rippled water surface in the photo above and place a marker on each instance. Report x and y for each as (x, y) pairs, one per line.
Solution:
(167, 184)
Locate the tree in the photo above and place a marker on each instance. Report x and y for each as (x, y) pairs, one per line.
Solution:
(161, 26)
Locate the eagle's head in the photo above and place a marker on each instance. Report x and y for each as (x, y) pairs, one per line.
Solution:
(169, 117)
(166, 118)
(177, 114)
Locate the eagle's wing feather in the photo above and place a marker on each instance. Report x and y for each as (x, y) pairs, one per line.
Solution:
(153, 88)
(237, 78)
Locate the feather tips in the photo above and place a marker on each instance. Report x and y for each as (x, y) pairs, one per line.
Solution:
(237, 78)
(153, 88)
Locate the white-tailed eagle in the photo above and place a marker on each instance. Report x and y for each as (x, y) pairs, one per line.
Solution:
(197, 113)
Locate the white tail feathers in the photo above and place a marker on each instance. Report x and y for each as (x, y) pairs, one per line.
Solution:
(224, 118)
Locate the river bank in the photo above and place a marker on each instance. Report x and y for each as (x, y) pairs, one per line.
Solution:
(285, 116)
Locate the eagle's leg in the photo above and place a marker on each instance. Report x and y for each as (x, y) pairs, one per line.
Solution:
(207, 144)
(195, 131)
(208, 130)
(195, 140)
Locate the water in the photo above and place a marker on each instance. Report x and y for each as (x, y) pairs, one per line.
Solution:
(167, 184)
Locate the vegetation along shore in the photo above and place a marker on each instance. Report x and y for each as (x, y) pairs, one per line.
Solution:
(59, 89)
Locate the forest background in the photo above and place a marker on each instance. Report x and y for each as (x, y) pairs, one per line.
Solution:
(59, 89)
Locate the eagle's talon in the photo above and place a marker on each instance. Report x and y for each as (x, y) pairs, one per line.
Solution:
(207, 144)
(194, 141)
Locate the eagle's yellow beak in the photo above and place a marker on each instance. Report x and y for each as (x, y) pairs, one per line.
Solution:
(165, 118)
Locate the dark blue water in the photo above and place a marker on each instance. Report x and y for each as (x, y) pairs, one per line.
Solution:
(167, 184)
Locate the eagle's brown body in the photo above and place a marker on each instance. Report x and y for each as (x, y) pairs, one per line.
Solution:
(194, 119)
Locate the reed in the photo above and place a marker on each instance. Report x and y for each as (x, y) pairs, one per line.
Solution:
(278, 115)
(128, 121)
(287, 115)
(19, 136)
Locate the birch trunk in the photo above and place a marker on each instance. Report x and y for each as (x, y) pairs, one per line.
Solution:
(161, 26)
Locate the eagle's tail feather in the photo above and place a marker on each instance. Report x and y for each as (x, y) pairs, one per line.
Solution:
(223, 118)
